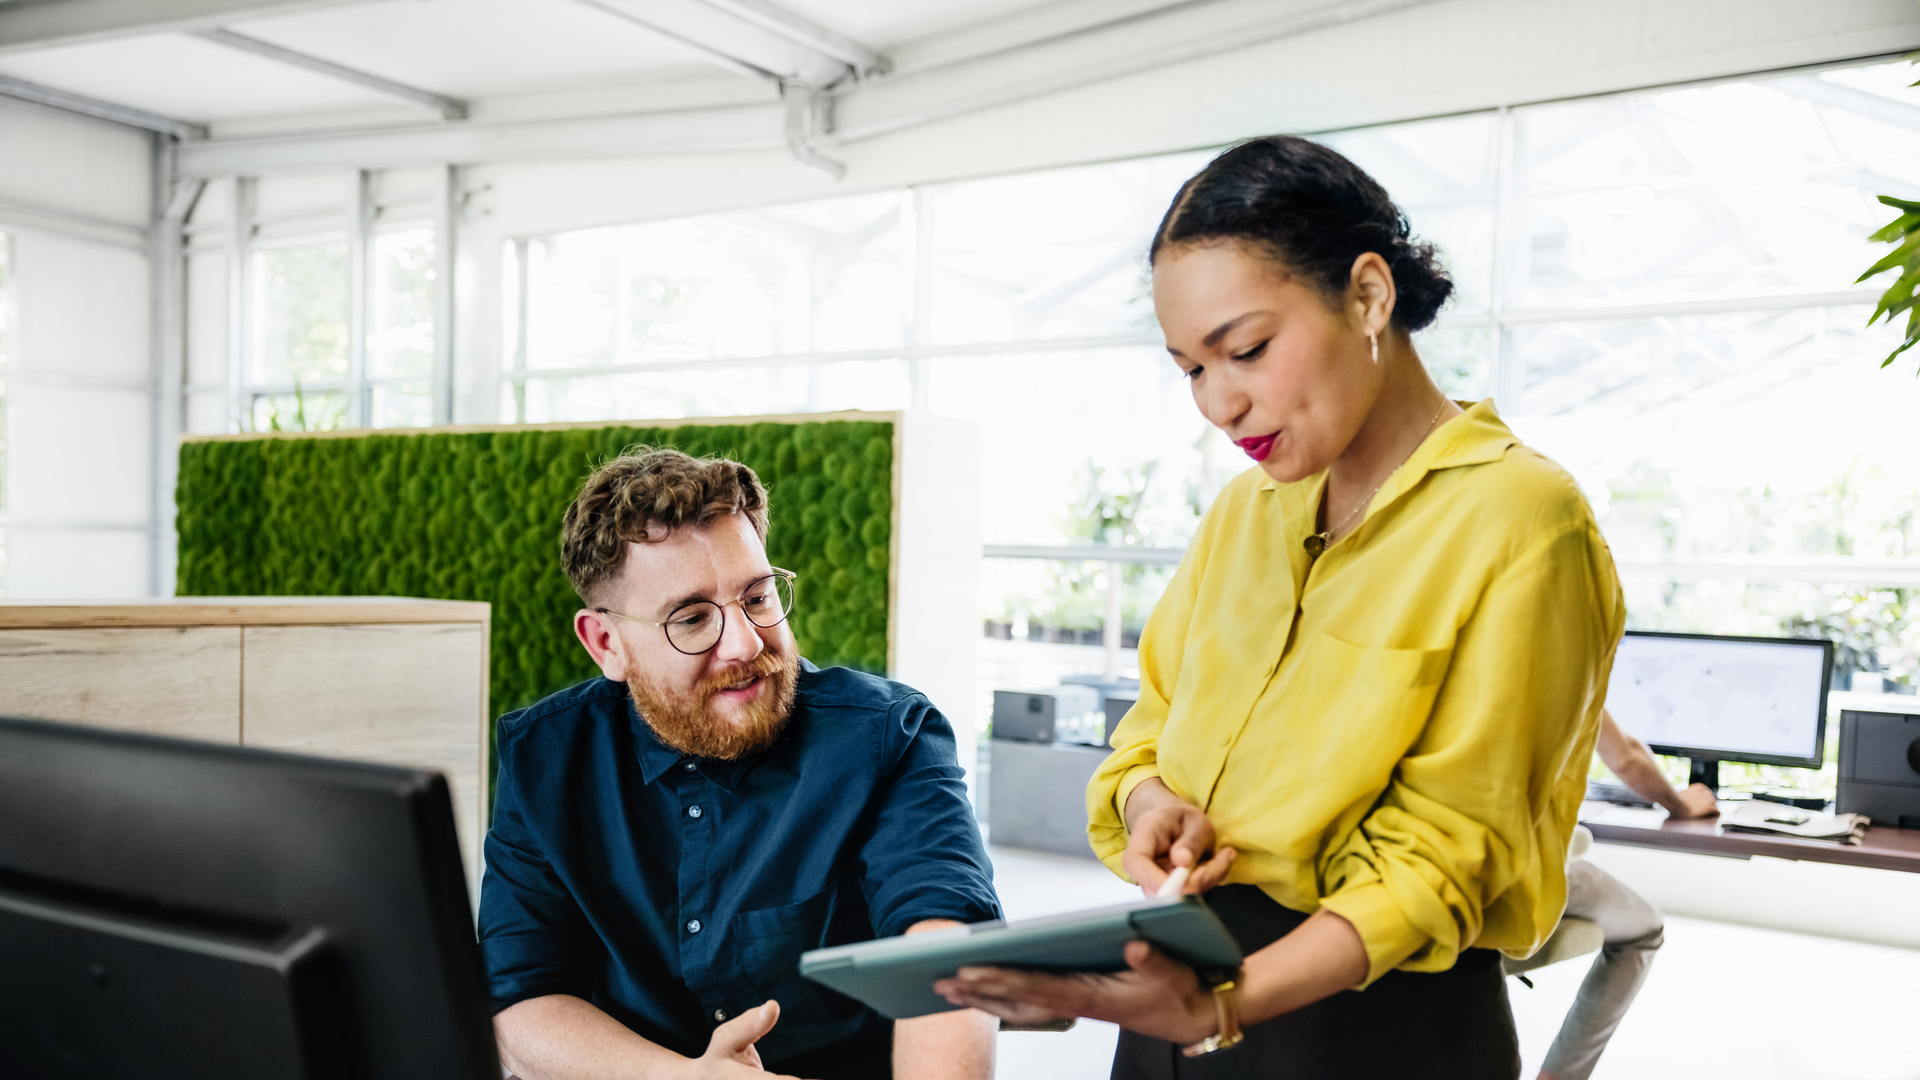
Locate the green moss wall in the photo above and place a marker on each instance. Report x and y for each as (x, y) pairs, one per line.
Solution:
(476, 516)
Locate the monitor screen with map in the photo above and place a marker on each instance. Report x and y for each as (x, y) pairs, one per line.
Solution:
(1761, 700)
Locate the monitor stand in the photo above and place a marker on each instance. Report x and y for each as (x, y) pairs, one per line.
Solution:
(1704, 771)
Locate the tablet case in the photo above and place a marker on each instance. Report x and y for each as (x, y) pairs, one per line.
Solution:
(895, 975)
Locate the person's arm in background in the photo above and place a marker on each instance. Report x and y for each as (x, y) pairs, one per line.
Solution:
(1633, 763)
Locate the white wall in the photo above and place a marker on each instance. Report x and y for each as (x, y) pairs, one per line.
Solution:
(76, 505)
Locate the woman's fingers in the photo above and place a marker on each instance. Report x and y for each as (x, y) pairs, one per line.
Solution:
(1212, 872)
(1142, 868)
(1194, 841)
(1018, 996)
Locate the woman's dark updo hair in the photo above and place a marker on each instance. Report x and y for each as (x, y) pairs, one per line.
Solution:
(1311, 210)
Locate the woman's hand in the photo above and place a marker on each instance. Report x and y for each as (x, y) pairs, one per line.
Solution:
(1157, 996)
(1165, 831)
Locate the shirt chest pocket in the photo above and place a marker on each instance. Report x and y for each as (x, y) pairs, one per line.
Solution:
(766, 947)
(1369, 705)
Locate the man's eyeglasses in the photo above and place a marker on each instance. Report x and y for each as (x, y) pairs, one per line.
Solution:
(697, 627)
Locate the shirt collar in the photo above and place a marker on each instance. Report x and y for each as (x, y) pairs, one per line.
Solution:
(1475, 437)
(656, 757)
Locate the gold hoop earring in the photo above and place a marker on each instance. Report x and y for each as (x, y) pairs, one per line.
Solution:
(1374, 340)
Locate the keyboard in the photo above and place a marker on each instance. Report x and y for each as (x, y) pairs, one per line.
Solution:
(1618, 794)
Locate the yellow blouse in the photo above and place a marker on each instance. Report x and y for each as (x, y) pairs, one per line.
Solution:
(1398, 731)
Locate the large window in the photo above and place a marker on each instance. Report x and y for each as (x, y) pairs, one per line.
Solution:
(1657, 289)
(340, 295)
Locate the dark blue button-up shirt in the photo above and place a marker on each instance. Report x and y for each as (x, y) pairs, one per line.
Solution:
(674, 892)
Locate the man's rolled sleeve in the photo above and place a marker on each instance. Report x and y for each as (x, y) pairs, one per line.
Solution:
(924, 858)
(534, 940)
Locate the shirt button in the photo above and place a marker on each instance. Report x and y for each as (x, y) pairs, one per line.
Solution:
(720, 1016)
(693, 811)
(693, 926)
(688, 766)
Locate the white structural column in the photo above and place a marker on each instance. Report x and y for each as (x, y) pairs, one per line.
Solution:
(934, 629)
(173, 203)
(239, 297)
(446, 232)
(360, 211)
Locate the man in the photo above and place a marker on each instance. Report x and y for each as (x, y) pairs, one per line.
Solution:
(667, 840)
(1633, 929)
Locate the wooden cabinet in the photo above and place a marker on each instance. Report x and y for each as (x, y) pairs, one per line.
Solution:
(382, 679)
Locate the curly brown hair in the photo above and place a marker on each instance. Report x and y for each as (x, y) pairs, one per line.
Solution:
(641, 497)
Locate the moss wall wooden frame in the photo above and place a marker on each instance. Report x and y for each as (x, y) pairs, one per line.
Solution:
(293, 513)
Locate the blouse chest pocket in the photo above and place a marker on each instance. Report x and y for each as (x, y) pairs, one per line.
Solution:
(1371, 704)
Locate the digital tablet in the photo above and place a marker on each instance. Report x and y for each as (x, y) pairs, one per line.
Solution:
(895, 975)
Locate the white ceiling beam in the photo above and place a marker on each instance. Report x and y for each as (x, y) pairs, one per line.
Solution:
(46, 23)
(1129, 46)
(449, 108)
(1132, 44)
(684, 131)
(752, 37)
(49, 97)
(864, 61)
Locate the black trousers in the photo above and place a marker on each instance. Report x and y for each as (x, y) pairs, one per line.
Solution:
(1447, 1025)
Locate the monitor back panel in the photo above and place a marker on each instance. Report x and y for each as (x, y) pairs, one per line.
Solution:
(366, 854)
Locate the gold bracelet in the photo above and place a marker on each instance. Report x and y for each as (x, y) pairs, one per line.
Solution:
(1226, 1007)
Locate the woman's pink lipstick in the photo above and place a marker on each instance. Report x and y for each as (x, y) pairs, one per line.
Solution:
(1257, 447)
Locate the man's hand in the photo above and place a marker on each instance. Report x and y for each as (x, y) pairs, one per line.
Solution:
(1156, 996)
(731, 1046)
(561, 1037)
(1165, 831)
(1695, 801)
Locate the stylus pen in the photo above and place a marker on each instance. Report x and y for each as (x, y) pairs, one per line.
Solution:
(1175, 882)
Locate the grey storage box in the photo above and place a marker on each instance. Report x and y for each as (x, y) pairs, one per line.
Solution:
(1039, 795)
(1117, 707)
(1043, 715)
(1880, 767)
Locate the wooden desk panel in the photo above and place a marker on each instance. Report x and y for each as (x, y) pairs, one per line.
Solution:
(1884, 848)
(396, 694)
(182, 681)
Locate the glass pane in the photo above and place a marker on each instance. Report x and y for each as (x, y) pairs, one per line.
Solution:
(301, 411)
(300, 314)
(1459, 358)
(1052, 254)
(571, 282)
(1094, 446)
(731, 391)
(814, 277)
(1443, 175)
(400, 334)
(1770, 433)
(405, 405)
(1738, 188)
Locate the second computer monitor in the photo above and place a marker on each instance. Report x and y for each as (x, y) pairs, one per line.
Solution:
(1712, 699)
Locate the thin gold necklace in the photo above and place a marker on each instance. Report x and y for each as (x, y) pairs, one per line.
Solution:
(1315, 543)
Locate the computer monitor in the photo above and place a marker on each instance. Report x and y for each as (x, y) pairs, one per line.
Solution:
(174, 909)
(1715, 699)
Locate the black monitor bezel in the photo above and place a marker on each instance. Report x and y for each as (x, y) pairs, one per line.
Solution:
(1701, 753)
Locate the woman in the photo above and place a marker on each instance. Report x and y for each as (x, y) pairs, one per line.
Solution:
(1369, 695)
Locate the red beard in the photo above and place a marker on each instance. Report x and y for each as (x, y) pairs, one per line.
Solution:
(686, 721)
